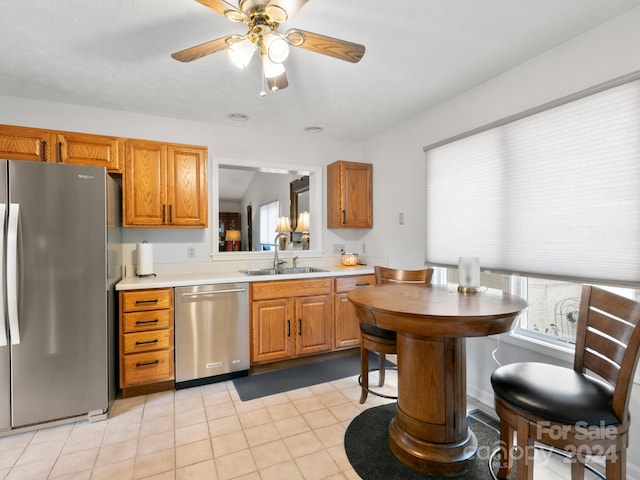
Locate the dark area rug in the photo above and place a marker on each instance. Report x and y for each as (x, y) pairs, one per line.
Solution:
(366, 442)
(270, 383)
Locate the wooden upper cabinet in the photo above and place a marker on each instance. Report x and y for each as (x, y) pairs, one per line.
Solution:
(86, 149)
(23, 143)
(349, 195)
(164, 185)
(144, 184)
(187, 185)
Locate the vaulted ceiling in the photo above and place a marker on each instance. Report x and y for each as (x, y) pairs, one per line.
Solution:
(116, 54)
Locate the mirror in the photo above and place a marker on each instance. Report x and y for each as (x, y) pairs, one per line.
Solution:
(299, 199)
(242, 187)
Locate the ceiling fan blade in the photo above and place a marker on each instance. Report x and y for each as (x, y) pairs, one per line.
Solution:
(314, 42)
(201, 50)
(290, 7)
(278, 83)
(220, 6)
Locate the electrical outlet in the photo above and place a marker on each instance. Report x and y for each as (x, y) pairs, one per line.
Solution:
(191, 252)
(401, 218)
(338, 247)
(364, 247)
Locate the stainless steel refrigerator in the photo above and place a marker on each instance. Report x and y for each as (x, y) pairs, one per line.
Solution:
(57, 302)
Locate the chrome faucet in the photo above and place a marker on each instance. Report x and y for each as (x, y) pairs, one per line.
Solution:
(276, 262)
(294, 261)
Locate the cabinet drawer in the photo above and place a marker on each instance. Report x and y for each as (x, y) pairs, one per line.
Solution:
(290, 288)
(149, 320)
(141, 368)
(134, 301)
(145, 341)
(346, 284)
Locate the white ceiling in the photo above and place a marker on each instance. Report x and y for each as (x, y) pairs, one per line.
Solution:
(116, 54)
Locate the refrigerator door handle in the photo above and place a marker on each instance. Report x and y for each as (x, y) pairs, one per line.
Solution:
(3, 322)
(12, 273)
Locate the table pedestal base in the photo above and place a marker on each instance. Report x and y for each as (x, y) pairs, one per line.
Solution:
(443, 460)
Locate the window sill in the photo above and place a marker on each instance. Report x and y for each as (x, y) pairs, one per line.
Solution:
(548, 349)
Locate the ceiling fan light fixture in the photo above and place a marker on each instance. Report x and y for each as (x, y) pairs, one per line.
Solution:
(277, 48)
(235, 15)
(241, 53)
(271, 69)
(277, 13)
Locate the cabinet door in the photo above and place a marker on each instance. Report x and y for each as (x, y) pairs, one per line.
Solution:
(346, 329)
(92, 150)
(271, 330)
(349, 195)
(313, 317)
(144, 184)
(22, 143)
(187, 186)
(347, 324)
(357, 203)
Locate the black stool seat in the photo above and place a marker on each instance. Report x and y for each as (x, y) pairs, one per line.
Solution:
(377, 331)
(555, 393)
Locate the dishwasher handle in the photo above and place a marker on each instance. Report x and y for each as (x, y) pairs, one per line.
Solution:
(213, 292)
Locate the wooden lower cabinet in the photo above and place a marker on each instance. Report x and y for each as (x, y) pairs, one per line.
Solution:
(346, 328)
(146, 341)
(290, 318)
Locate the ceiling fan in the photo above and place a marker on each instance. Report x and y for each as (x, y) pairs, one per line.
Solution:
(262, 18)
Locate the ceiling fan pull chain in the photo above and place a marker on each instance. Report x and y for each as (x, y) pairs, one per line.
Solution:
(262, 92)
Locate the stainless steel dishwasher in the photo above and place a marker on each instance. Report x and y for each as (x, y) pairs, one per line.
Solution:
(211, 333)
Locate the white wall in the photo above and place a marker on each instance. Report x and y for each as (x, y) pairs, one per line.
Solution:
(598, 55)
(229, 142)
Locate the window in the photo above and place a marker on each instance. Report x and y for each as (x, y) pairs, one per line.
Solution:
(551, 193)
(268, 222)
(552, 313)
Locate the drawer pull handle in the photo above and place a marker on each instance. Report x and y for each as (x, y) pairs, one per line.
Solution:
(362, 284)
(146, 322)
(44, 151)
(147, 364)
(300, 327)
(288, 328)
(146, 302)
(155, 340)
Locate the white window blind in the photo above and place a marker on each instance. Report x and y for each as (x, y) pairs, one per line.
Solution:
(551, 193)
(268, 221)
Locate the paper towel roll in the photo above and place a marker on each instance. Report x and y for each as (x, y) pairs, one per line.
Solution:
(144, 252)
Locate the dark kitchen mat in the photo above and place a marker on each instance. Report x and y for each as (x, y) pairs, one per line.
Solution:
(270, 383)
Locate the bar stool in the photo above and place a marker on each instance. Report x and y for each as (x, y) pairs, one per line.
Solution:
(381, 341)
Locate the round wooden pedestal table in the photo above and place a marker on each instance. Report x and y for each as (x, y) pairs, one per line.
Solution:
(430, 432)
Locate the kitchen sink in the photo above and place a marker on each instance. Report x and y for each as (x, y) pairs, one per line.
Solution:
(281, 271)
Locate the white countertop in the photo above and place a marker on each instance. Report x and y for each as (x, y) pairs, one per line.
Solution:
(205, 278)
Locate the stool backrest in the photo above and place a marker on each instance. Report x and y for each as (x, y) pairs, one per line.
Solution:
(394, 275)
(608, 342)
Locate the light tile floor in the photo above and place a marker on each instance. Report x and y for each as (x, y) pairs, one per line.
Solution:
(203, 433)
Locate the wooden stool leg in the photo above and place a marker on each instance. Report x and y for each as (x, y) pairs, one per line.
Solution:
(381, 370)
(506, 450)
(577, 468)
(525, 450)
(617, 465)
(364, 373)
